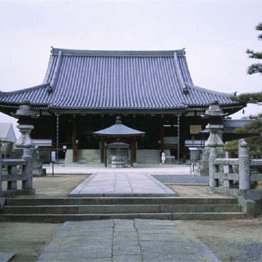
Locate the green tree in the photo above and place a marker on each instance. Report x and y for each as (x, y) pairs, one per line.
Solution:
(253, 131)
(257, 67)
(253, 98)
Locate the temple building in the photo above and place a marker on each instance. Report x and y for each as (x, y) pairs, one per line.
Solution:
(84, 91)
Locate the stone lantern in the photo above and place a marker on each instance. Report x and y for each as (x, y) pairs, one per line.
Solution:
(24, 115)
(215, 116)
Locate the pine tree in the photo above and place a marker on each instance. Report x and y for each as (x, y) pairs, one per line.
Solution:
(252, 133)
(257, 67)
(255, 127)
(252, 98)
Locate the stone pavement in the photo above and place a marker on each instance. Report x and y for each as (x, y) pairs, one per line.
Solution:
(121, 183)
(125, 240)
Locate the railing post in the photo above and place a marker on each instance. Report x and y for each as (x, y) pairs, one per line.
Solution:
(244, 166)
(13, 183)
(28, 183)
(212, 168)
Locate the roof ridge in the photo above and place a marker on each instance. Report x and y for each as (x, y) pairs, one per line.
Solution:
(118, 53)
(210, 91)
(25, 89)
(57, 71)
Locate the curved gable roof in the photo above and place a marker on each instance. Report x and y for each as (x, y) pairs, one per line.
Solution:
(117, 80)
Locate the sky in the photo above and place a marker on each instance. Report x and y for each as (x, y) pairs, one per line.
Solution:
(214, 33)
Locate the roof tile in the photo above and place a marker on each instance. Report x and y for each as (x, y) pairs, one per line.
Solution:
(117, 80)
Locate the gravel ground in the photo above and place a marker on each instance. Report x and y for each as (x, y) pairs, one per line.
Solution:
(57, 185)
(26, 240)
(230, 240)
(194, 191)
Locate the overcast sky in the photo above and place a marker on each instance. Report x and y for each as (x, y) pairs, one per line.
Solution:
(215, 34)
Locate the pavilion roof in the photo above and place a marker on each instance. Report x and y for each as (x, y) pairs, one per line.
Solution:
(7, 133)
(119, 130)
(90, 81)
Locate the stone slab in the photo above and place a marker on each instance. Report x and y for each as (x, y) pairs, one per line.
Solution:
(121, 184)
(146, 245)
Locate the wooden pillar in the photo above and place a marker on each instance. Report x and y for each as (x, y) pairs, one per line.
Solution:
(178, 139)
(105, 154)
(131, 155)
(57, 137)
(133, 151)
(161, 138)
(74, 142)
(102, 150)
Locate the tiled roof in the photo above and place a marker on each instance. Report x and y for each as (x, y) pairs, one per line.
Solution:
(117, 80)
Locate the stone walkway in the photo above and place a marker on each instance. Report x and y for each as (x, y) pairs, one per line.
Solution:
(124, 240)
(119, 183)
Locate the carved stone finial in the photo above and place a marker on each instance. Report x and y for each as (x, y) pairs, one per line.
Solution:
(118, 120)
(214, 110)
(24, 110)
(243, 143)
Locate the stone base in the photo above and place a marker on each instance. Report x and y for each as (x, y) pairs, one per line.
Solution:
(19, 192)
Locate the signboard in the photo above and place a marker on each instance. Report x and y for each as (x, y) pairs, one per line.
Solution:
(195, 129)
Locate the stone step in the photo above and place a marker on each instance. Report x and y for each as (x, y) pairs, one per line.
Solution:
(85, 208)
(106, 209)
(60, 218)
(118, 201)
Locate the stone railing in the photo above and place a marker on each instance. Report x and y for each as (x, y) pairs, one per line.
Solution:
(235, 175)
(229, 174)
(12, 171)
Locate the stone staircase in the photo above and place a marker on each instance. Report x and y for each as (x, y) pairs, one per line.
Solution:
(147, 156)
(58, 210)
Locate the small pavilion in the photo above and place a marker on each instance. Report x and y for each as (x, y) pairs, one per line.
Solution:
(118, 137)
